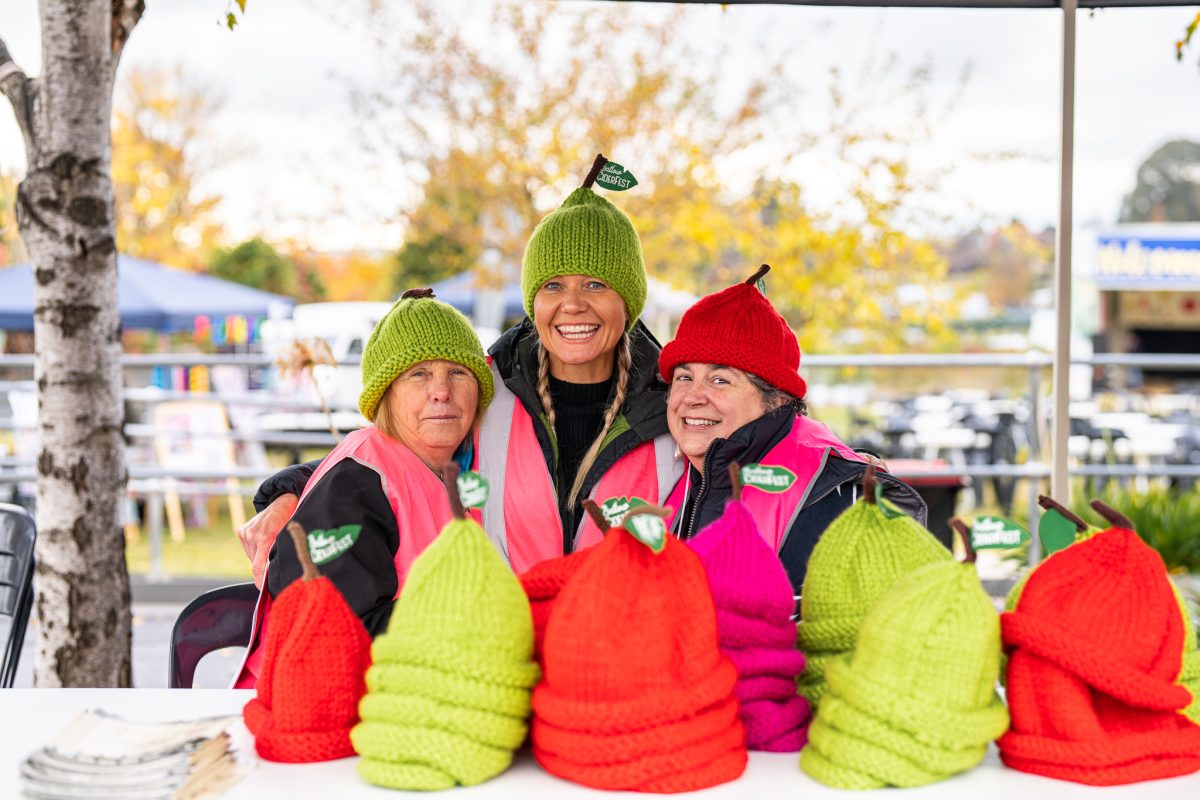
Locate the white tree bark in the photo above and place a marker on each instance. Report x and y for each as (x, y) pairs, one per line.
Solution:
(65, 215)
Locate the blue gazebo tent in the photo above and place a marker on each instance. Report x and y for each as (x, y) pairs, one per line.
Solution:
(150, 296)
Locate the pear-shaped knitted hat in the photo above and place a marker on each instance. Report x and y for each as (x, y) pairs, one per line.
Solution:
(419, 328)
(858, 558)
(916, 701)
(753, 598)
(587, 235)
(448, 692)
(636, 694)
(1097, 643)
(314, 657)
(1189, 675)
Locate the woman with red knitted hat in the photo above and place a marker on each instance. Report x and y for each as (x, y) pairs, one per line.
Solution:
(736, 395)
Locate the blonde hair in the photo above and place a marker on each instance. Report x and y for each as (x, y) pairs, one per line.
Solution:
(624, 368)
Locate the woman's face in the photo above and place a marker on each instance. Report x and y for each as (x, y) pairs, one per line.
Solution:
(431, 407)
(709, 401)
(580, 321)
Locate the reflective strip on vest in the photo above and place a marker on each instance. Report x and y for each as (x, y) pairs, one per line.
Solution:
(804, 451)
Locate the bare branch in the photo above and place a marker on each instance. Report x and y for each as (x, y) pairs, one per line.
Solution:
(18, 88)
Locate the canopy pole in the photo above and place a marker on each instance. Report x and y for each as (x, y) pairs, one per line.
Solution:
(1060, 486)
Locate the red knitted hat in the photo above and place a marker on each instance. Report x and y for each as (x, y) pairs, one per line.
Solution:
(315, 660)
(1098, 644)
(542, 583)
(636, 694)
(737, 327)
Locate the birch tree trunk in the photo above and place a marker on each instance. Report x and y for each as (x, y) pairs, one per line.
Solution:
(65, 215)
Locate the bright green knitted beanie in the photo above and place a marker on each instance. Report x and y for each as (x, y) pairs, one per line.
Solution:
(448, 692)
(860, 555)
(587, 235)
(419, 329)
(916, 702)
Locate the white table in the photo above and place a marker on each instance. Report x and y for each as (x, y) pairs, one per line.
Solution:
(33, 716)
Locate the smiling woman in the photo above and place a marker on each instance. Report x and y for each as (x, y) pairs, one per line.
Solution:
(377, 501)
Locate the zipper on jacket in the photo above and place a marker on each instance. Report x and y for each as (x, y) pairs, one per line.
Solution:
(687, 532)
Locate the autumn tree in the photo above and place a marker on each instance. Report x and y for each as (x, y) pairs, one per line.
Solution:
(255, 263)
(160, 120)
(11, 249)
(496, 132)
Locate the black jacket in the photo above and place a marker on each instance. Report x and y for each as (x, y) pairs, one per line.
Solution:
(833, 489)
(643, 417)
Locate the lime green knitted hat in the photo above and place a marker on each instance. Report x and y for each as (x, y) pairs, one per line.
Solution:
(448, 692)
(587, 235)
(916, 702)
(860, 555)
(419, 328)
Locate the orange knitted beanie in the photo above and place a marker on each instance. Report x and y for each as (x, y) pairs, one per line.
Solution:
(1096, 644)
(636, 694)
(314, 662)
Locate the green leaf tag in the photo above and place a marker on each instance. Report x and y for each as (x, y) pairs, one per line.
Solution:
(649, 529)
(1055, 531)
(761, 285)
(775, 480)
(614, 509)
(472, 489)
(997, 533)
(326, 545)
(614, 176)
(890, 510)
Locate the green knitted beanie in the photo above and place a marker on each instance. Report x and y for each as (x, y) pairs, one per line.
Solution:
(860, 555)
(587, 235)
(419, 329)
(916, 702)
(448, 692)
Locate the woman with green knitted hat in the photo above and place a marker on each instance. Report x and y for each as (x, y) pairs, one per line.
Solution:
(580, 410)
(377, 501)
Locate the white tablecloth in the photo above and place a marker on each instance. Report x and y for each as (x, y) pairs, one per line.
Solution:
(33, 716)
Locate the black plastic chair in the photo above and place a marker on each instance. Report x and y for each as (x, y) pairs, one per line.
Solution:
(217, 619)
(18, 533)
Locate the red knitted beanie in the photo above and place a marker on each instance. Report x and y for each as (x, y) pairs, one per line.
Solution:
(636, 694)
(315, 660)
(542, 583)
(737, 327)
(1098, 644)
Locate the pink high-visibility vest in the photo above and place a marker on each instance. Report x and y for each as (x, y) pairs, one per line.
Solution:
(526, 527)
(418, 500)
(803, 452)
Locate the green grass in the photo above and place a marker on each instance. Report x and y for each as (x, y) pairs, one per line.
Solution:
(213, 551)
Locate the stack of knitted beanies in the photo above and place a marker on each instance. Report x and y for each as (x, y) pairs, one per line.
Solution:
(858, 558)
(916, 701)
(449, 690)
(636, 694)
(753, 599)
(1099, 655)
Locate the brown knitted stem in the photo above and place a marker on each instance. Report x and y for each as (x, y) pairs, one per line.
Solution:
(596, 514)
(753, 279)
(597, 165)
(1116, 518)
(300, 540)
(1050, 504)
(450, 478)
(426, 292)
(735, 479)
(657, 511)
(869, 484)
(965, 533)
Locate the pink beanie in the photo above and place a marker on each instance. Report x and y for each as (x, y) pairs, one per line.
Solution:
(753, 599)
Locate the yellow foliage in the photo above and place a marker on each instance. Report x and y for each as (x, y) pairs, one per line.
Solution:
(157, 120)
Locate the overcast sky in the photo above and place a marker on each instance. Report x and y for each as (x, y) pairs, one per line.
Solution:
(301, 176)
